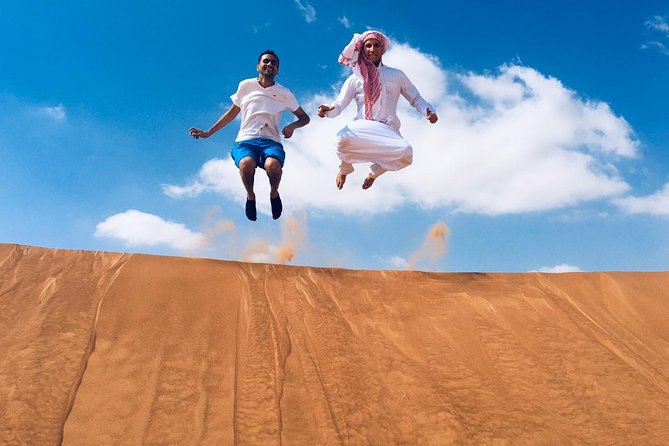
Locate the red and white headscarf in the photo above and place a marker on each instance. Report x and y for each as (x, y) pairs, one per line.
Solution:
(353, 56)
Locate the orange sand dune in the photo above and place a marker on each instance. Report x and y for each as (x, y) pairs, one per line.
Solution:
(103, 348)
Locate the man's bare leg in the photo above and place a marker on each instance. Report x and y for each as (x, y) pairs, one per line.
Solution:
(376, 171)
(368, 181)
(341, 179)
(344, 169)
(274, 172)
(247, 170)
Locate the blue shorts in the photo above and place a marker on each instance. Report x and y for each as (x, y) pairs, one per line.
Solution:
(259, 149)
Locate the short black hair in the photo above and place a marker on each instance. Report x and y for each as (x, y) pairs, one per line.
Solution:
(268, 51)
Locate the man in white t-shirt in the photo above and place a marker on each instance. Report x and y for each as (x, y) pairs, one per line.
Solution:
(261, 101)
(374, 136)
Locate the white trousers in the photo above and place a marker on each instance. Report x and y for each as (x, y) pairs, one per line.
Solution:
(365, 141)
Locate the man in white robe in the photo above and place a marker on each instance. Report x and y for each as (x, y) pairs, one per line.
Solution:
(374, 135)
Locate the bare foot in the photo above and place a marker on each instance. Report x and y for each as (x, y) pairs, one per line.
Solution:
(368, 181)
(341, 179)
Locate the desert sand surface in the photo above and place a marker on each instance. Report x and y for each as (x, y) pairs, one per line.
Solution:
(101, 348)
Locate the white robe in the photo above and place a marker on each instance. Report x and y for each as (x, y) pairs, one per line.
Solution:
(364, 141)
(376, 141)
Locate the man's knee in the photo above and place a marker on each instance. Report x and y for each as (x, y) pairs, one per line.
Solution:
(247, 165)
(407, 157)
(342, 143)
(344, 137)
(272, 166)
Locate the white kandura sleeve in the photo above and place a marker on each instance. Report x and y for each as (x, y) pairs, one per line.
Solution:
(411, 94)
(344, 99)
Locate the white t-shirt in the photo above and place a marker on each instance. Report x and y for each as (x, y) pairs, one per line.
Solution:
(261, 109)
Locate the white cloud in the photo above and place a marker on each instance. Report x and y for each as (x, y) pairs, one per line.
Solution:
(561, 268)
(136, 228)
(506, 142)
(424, 71)
(260, 28)
(661, 47)
(56, 113)
(658, 34)
(655, 204)
(214, 176)
(345, 21)
(658, 23)
(307, 10)
(394, 262)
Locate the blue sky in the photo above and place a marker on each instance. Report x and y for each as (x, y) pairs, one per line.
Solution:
(551, 152)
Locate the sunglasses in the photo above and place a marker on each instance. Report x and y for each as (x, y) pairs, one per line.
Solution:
(270, 61)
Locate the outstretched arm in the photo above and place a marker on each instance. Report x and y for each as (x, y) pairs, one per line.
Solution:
(323, 109)
(302, 120)
(410, 93)
(224, 120)
(345, 96)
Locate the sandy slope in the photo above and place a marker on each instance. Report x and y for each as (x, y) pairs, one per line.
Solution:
(104, 348)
